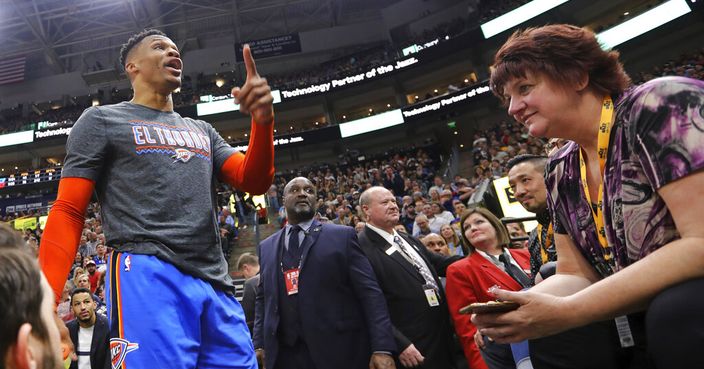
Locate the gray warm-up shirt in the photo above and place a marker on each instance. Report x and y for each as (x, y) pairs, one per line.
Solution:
(154, 175)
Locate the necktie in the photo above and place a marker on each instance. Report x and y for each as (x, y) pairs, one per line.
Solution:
(293, 243)
(417, 263)
(515, 272)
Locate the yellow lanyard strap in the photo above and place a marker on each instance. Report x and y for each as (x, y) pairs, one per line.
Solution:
(607, 111)
(544, 245)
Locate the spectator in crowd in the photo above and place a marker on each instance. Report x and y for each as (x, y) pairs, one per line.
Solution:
(435, 221)
(490, 263)
(92, 242)
(440, 212)
(408, 215)
(248, 264)
(80, 279)
(400, 228)
(517, 234)
(464, 191)
(435, 243)
(438, 185)
(318, 304)
(93, 275)
(393, 181)
(273, 198)
(446, 200)
(421, 227)
(459, 209)
(89, 332)
(525, 178)
(77, 267)
(642, 156)
(409, 276)
(85, 249)
(453, 242)
(101, 258)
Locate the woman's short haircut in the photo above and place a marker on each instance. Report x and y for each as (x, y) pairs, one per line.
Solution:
(564, 53)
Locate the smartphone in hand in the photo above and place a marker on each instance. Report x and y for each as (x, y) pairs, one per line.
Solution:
(489, 307)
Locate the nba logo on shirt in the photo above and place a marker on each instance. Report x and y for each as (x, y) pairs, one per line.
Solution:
(128, 263)
(182, 155)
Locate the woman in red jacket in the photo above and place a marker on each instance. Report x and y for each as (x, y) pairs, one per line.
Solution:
(490, 263)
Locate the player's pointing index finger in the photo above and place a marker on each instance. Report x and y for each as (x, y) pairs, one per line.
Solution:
(249, 61)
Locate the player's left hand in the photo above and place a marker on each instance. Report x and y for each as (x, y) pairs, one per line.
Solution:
(254, 97)
(381, 361)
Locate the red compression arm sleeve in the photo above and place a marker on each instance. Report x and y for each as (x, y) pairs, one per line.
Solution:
(252, 172)
(63, 231)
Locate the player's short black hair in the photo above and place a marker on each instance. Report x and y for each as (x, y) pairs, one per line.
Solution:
(538, 161)
(134, 40)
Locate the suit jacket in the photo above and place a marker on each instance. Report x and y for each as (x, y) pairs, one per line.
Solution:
(468, 282)
(414, 320)
(341, 307)
(248, 300)
(100, 344)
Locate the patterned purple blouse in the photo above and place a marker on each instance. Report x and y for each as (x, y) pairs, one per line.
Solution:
(657, 138)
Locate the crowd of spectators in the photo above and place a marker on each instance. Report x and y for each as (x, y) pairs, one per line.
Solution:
(688, 65)
(490, 9)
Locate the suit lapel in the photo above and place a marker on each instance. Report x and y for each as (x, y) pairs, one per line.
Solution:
(97, 329)
(386, 248)
(310, 240)
(275, 254)
(497, 275)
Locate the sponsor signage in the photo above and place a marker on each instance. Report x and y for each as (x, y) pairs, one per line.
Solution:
(440, 103)
(48, 130)
(18, 204)
(269, 47)
(372, 73)
(25, 223)
(316, 136)
(52, 133)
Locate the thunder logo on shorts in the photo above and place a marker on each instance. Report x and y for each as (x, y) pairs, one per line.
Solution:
(179, 143)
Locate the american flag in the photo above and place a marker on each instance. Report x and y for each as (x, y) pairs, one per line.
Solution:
(12, 70)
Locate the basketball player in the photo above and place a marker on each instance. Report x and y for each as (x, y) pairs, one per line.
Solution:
(171, 301)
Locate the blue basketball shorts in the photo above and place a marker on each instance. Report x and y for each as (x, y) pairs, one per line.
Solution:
(162, 318)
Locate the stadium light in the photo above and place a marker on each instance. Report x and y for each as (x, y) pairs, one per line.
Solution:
(518, 16)
(643, 23)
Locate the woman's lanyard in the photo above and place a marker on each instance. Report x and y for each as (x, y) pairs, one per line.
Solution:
(607, 111)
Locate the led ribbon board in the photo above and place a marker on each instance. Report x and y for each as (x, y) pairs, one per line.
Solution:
(643, 23)
(518, 16)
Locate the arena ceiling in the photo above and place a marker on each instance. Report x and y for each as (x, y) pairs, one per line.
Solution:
(70, 34)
